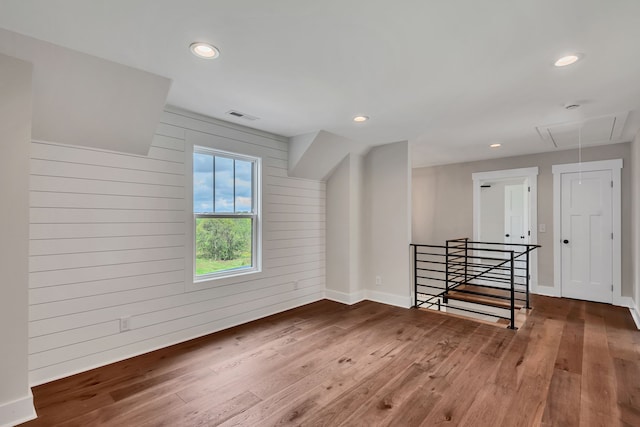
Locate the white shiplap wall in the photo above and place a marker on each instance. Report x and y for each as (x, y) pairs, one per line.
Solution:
(110, 236)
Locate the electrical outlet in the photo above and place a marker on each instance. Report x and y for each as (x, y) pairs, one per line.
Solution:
(378, 280)
(125, 323)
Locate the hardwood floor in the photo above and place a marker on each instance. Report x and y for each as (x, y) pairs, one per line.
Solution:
(573, 363)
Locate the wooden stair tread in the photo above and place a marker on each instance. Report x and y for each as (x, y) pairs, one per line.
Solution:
(498, 322)
(490, 291)
(486, 299)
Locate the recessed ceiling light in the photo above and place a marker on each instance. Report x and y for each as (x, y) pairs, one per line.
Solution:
(204, 50)
(360, 119)
(567, 60)
(496, 145)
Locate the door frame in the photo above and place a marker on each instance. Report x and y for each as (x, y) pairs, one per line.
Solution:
(615, 166)
(531, 174)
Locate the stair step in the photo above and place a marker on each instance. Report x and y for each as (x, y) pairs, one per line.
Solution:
(497, 322)
(490, 296)
(521, 317)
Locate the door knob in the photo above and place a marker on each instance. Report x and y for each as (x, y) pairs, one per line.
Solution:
(506, 235)
(522, 237)
(565, 241)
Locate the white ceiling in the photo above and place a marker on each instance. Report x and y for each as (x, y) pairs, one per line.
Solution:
(449, 76)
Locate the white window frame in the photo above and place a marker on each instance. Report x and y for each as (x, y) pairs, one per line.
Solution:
(256, 241)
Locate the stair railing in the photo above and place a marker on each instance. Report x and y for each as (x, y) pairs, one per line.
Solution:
(489, 267)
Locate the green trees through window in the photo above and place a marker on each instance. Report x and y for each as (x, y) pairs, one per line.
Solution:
(223, 244)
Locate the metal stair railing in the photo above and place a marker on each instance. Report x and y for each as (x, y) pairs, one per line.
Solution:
(489, 267)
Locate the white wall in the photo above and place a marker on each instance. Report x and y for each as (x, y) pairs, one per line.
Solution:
(15, 133)
(387, 224)
(111, 237)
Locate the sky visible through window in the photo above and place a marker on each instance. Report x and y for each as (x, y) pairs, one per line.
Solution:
(226, 184)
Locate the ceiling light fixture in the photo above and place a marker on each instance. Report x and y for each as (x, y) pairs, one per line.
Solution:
(204, 50)
(360, 119)
(567, 60)
(496, 145)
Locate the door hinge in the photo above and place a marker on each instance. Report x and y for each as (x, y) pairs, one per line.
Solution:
(529, 232)
(611, 288)
(611, 184)
(611, 236)
(529, 189)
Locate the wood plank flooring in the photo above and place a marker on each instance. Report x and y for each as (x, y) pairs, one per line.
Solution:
(573, 363)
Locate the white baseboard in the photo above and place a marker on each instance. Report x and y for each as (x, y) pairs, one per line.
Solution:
(17, 411)
(623, 302)
(404, 301)
(547, 291)
(343, 297)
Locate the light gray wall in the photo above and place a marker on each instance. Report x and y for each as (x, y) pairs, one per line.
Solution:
(15, 135)
(368, 227)
(635, 214)
(443, 201)
(356, 200)
(387, 212)
(339, 263)
(344, 231)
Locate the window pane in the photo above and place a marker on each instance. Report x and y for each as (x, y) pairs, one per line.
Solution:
(244, 179)
(223, 244)
(202, 183)
(224, 184)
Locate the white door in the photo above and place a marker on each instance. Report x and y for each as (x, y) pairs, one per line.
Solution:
(586, 236)
(515, 220)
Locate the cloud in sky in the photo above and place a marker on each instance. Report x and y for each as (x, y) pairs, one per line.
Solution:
(226, 184)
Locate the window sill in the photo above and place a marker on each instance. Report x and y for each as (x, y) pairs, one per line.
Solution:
(224, 278)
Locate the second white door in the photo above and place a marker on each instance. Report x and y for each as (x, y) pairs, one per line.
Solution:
(586, 233)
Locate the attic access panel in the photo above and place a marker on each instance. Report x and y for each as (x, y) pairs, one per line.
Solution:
(594, 131)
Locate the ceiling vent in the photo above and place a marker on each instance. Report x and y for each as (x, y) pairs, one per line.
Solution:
(593, 131)
(239, 115)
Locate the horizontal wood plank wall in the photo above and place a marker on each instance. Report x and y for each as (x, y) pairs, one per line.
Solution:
(110, 237)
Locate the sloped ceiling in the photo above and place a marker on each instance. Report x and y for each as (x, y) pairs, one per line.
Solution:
(316, 155)
(83, 100)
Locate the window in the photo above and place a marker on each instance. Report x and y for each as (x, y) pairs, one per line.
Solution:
(225, 210)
